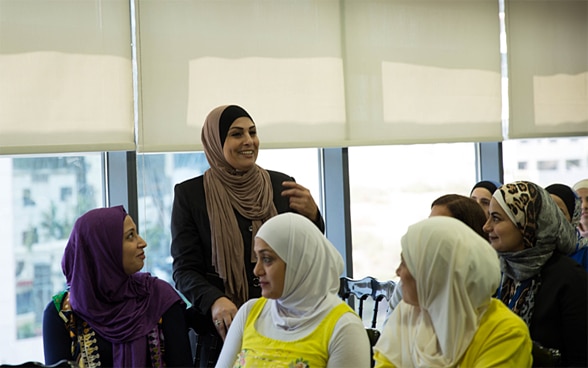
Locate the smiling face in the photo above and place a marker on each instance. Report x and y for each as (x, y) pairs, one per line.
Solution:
(270, 269)
(409, 287)
(241, 144)
(133, 247)
(503, 234)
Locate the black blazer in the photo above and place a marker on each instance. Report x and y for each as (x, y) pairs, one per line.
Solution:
(559, 317)
(191, 246)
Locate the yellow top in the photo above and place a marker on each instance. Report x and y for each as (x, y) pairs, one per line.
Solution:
(309, 351)
(502, 340)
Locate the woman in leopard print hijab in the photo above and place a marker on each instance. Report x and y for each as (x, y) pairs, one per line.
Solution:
(540, 282)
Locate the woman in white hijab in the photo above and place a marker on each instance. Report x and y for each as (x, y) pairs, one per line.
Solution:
(447, 317)
(299, 321)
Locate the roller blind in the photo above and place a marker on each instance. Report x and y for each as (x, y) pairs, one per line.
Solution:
(423, 71)
(548, 68)
(65, 76)
(321, 73)
(313, 73)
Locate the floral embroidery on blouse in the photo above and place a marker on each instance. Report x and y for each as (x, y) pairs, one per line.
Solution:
(299, 363)
(241, 361)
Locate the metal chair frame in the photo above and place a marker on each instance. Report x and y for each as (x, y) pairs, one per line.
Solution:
(362, 289)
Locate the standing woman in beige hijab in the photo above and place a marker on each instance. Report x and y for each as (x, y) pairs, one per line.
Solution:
(214, 218)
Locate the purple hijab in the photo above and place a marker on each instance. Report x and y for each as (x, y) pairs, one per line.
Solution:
(122, 309)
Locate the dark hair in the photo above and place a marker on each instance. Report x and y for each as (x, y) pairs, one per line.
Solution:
(489, 185)
(566, 194)
(464, 209)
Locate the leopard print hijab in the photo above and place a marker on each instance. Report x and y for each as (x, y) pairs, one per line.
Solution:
(544, 229)
(543, 226)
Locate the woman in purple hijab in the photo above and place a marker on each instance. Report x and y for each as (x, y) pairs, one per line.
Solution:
(111, 314)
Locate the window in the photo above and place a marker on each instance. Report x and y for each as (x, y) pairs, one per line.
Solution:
(66, 193)
(156, 176)
(26, 198)
(391, 188)
(545, 156)
(36, 229)
(547, 165)
(573, 164)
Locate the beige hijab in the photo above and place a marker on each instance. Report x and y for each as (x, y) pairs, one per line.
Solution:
(249, 193)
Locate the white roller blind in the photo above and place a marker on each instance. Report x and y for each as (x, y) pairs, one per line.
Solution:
(280, 60)
(548, 68)
(321, 73)
(313, 73)
(422, 71)
(65, 76)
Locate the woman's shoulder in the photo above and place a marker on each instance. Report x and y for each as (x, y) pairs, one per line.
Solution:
(59, 299)
(253, 305)
(277, 176)
(560, 265)
(581, 257)
(562, 277)
(502, 339)
(51, 309)
(498, 313)
(195, 181)
(499, 323)
(165, 288)
(349, 317)
(191, 190)
(248, 305)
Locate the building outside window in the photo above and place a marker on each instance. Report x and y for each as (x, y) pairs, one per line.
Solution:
(36, 223)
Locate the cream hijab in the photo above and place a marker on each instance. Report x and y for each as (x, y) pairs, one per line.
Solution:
(456, 273)
(313, 268)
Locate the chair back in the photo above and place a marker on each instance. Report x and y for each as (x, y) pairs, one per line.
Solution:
(362, 290)
(365, 288)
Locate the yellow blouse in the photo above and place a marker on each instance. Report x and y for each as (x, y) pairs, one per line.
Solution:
(310, 351)
(502, 340)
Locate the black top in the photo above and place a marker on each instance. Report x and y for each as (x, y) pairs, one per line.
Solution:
(57, 342)
(191, 245)
(559, 317)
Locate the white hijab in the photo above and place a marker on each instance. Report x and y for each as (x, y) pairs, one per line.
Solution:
(313, 268)
(456, 273)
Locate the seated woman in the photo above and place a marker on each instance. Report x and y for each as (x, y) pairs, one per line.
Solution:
(299, 320)
(542, 285)
(462, 208)
(571, 207)
(459, 207)
(112, 315)
(447, 317)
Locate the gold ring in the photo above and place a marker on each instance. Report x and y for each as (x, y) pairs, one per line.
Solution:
(217, 322)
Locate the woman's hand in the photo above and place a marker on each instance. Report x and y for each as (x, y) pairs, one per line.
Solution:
(301, 200)
(223, 311)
